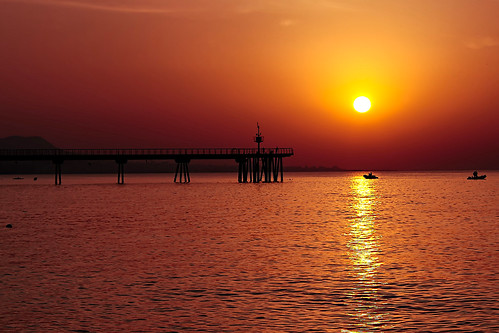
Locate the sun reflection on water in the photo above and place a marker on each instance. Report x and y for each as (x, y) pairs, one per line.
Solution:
(363, 250)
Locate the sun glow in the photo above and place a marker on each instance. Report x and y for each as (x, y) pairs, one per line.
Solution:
(362, 104)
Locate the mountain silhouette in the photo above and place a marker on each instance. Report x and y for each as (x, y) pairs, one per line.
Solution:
(25, 142)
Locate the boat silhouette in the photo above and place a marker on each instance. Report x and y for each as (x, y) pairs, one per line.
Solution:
(477, 177)
(370, 176)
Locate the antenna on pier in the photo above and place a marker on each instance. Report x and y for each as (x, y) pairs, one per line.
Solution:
(258, 137)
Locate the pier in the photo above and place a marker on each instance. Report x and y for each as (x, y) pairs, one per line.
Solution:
(255, 164)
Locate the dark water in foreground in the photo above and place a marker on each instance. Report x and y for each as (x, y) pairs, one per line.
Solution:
(320, 252)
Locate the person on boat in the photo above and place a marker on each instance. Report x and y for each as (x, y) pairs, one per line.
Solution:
(475, 173)
(370, 174)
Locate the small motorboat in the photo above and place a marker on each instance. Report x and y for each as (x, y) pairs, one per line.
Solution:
(477, 177)
(370, 176)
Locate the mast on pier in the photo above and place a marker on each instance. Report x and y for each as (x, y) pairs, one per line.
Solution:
(258, 137)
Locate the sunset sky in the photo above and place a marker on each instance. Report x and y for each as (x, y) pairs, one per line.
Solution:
(201, 73)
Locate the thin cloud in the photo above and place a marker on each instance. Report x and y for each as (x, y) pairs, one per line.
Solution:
(287, 23)
(101, 6)
(254, 6)
(220, 7)
(482, 42)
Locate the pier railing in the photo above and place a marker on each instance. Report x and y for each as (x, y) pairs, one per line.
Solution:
(194, 152)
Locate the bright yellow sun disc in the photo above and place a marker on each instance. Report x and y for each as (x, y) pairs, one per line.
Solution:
(362, 104)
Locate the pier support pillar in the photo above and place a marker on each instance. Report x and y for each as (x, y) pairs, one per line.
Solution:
(244, 167)
(280, 167)
(277, 168)
(182, 171)
(240, 171)
(58, 172)
(121, 170)
(257, 176)
(249, 163)
(265, 169)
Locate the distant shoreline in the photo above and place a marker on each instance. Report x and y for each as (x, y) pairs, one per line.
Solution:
(291, 169)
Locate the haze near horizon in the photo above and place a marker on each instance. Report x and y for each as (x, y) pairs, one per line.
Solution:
(91, 74)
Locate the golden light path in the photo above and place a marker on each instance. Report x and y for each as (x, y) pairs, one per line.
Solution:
(363, 254)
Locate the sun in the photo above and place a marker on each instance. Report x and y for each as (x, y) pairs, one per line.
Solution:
(362, 104)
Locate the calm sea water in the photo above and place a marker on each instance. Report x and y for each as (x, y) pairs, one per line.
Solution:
(319, 252)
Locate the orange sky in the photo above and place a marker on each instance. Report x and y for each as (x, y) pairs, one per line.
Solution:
(159, 73)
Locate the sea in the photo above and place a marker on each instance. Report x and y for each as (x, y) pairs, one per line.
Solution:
(320, 252)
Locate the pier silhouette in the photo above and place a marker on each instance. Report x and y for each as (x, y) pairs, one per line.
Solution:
(255, 164)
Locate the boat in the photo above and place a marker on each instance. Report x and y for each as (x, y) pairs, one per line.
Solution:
(18, 178)
(370, 176)
(477, 177)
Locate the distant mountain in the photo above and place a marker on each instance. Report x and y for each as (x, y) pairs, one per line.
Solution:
(25, 142)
